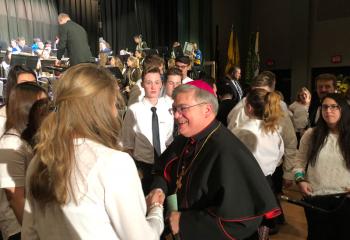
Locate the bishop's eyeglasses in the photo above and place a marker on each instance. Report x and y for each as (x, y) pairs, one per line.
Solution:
(182, 109)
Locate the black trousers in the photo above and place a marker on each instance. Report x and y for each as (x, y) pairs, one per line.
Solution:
(17, 236)
(328, 225)
(271, 223)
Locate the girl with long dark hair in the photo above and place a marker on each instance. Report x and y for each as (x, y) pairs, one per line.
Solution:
(323, 170)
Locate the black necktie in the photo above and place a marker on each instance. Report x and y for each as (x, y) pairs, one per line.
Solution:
(155, 131)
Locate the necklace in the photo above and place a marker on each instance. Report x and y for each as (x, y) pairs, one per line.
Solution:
(184, 170)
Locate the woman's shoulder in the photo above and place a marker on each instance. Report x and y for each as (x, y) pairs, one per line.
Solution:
(108, 156)
(253, 125)
(293, 104)
(11, 139)
(307, 135)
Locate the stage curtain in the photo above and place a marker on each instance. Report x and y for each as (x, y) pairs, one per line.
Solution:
(85, 13)
(156, 20)
(28, 19)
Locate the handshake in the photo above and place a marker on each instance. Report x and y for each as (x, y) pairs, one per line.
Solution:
(155, 198)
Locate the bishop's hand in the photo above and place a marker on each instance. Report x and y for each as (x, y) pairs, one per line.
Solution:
(174, 221)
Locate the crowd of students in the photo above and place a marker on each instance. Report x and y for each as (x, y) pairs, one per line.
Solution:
(99, 160)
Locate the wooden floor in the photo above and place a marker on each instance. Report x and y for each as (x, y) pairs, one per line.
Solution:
(295, 227)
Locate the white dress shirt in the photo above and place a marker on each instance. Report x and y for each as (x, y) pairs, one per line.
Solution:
(186, 80)
(111, 204)
(237, 117)
(168, 101)
(137, 129)
(267, 148)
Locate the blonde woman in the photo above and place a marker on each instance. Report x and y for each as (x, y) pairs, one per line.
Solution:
(261, 132)
(261, 135)
(300, 111)
(133, 71)
(81, 185)
(116, 62)
(322, 171)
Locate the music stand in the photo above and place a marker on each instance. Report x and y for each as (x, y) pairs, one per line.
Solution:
(188, 48)
(53, 53)
(150, 52)
(27, 49)
(162, 51)
(24, 60)
(47, 63)
(116, 72)
(124, 58)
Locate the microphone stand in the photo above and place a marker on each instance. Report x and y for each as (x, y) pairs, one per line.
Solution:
(302, 203)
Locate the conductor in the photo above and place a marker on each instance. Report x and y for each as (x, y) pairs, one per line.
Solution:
(73, 38)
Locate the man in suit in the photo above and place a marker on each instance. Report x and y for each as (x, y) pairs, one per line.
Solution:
(325, 84)
(73, 38)
(232, 80)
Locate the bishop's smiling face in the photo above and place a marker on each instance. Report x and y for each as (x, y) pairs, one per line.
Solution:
(191, 115)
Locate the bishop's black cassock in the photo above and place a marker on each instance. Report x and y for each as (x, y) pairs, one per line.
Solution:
(223, 193)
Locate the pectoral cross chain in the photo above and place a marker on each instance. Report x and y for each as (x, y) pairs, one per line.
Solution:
(179, 179)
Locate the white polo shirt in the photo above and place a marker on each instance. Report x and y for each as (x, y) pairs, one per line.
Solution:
(267, 148)
(137, 129)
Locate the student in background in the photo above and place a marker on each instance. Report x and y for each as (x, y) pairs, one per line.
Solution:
(322, 170)
(299, 110)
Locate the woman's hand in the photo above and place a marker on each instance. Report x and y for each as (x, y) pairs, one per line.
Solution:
(305, 188)
(155, 196)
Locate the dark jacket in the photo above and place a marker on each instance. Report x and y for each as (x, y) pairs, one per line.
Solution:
(73, 38)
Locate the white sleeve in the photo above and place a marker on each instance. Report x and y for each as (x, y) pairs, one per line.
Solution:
(290, 146)
(125, 201)
(301, 156)
(237, 116)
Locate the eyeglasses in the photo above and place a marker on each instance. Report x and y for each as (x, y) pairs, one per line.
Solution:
(182, 109)
(331, 107)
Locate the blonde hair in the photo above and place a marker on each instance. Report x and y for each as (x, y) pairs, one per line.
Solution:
(303, 89)
(84, 99)
(117, 63)
(267, 107)
(103, 59)
(134, 62)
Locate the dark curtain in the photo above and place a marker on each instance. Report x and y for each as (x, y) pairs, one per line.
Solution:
(205, 33)
(28, 19)
(156, 20)
(85, 13)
